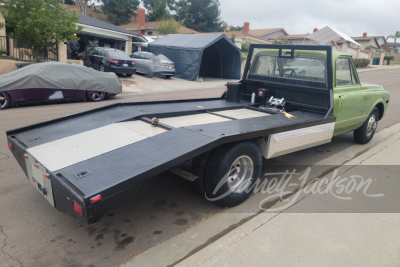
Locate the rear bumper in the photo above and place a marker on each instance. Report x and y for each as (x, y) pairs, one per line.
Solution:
(60, 193)
(165, 73)
(121, 70)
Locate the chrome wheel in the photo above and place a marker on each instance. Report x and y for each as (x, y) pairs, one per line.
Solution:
(97, 96)
(101, 68)
(3, 100)
(372, 125)
(240, 173)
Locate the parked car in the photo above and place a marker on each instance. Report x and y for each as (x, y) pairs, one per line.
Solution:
(56, 82)
(108, 60)
(150, 64)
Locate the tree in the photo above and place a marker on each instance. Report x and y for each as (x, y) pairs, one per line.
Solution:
(200, 15)
(388, 58)
(234, 29)
(394, 36)
(168, 26)
(149, 4)
(42, 23)
(82, 4)
(285, 41)
(158, 10)
(275, 42)
(120, 11)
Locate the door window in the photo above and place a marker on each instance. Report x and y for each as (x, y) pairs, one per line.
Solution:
(101, 53)
(344, 72)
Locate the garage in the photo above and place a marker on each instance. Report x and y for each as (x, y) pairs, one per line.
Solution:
(200, 55)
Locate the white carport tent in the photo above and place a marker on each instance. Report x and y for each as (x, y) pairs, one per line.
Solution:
(327, 35)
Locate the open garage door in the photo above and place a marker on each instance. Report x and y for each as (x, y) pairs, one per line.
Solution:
(200, 55)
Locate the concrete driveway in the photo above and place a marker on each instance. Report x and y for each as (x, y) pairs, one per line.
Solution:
(35, 234)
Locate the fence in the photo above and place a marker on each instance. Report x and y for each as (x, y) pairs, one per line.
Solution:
(20, 49)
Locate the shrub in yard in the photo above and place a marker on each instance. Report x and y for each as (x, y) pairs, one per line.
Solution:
(361, 63)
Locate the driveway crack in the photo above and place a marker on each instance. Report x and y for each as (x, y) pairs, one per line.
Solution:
(5, 244)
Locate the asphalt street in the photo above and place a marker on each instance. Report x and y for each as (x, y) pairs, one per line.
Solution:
(35, 234)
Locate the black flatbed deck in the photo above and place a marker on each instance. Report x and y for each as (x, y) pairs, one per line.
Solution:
(111, 173)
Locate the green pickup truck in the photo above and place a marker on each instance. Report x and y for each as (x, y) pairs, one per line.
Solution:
(290, 98)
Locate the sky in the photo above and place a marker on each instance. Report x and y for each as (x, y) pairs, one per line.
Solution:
(352, 17)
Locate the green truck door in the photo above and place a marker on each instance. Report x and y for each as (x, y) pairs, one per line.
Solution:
(348, 97)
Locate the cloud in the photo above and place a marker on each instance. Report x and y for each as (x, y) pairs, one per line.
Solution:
(297, 17)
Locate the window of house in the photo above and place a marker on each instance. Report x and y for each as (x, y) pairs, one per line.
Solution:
(149, 33)
(344, 72)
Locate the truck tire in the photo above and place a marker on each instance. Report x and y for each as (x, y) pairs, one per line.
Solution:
(199, 168)
(232, 169)
(365, 133)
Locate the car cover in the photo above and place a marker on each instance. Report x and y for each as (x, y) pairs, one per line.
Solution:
(65, 76)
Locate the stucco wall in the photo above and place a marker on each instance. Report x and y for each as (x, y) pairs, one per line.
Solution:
(7, 66)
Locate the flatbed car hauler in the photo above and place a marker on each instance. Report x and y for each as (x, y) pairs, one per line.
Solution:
(85, 163)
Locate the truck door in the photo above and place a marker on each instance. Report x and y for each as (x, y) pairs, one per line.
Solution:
(348, 97)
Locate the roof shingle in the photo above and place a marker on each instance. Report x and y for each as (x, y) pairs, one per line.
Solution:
(89, 21)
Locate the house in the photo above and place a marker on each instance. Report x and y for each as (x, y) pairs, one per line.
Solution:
(299, 39)
(375, 42)
(99, 33)
(150, 28)
(266, 34)
(241, 37)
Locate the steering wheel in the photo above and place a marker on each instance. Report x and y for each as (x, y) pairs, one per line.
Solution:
(291, 74)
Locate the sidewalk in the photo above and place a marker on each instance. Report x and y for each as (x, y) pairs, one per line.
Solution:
(304, 235)
(318, 230)
(378, 67)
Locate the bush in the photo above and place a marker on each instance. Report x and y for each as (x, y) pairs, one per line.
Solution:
(245, 47)
(361, 63)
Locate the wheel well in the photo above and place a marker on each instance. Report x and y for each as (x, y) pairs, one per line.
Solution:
(381, 110)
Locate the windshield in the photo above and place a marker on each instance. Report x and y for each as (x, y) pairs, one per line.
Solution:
(117, 54)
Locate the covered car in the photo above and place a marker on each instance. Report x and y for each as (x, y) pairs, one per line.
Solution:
(150, 64)
(55, 81)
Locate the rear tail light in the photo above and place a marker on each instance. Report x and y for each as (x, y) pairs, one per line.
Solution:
(25, 156)
(10, 146)
(47, 176)
(173, 64)
(113, 61)
(226, 91)
(78, 208)
(95, 199)
(36, 165)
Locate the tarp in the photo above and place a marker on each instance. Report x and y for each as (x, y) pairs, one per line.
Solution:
(56, 75)
(327, 35)
(200, 55)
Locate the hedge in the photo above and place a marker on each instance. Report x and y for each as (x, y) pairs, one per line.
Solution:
(361, 63)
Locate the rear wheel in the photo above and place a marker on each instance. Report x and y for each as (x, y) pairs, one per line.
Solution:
(95, 96)
(101, 68)
(365, 133)
(232, 171)
(4, 100)
(167, 76)
(129, 75)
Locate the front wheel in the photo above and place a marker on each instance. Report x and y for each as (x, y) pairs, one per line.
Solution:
(95, 96)
(4, 100)
(232, 171)
(365, 133)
